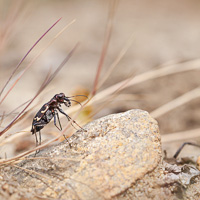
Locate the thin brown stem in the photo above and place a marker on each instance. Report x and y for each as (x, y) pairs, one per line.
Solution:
(33, 60)
(115, 62)
(18, 65)
(183, 135)
(181, 100)
(47, 80)
(106, 42)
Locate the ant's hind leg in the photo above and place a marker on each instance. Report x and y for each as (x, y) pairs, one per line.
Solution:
(38, 142)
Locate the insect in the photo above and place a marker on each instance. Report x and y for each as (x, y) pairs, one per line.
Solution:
(50, 110)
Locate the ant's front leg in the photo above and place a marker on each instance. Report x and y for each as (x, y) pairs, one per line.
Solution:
(55, 113)
(60, 124)
(70, 119)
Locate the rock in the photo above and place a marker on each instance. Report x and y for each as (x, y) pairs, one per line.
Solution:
(102, 163)
(119, 157)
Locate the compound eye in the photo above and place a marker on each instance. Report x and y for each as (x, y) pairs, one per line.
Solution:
(60, 96)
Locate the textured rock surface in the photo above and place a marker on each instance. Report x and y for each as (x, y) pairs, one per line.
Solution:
(103, 162)
(119, 157)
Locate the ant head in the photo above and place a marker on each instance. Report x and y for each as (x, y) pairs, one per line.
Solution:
(61, 98)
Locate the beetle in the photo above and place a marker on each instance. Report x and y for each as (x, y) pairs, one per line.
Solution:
(50, 110)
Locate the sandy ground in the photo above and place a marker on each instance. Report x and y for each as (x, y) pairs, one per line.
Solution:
(163, 31)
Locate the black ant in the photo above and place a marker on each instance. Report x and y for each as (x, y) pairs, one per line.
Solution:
(50, 110)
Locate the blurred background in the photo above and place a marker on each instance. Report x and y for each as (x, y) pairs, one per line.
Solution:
(165, 33)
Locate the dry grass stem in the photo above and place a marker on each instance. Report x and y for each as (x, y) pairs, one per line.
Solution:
(110, 97)
(14, 110)
(168, 70)
(32, 172)
(123, 97)
(106, 42)
(152, 74)
(12, 138)
(9, 21)
(116, 61)
(21, 61)
(47, 80)
(32, 61)
(54, 158)
(15, 158)
(108, 94)
(181, 100)
(183, 135)
(21, 113)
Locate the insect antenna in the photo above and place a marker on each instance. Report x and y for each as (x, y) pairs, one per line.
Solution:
(78, 96)
(76, 102)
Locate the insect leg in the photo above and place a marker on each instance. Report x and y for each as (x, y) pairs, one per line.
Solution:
(70, 119)
(40, 138)
(70, 146)
(36, 141)
(181, 147)
(56, 114)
